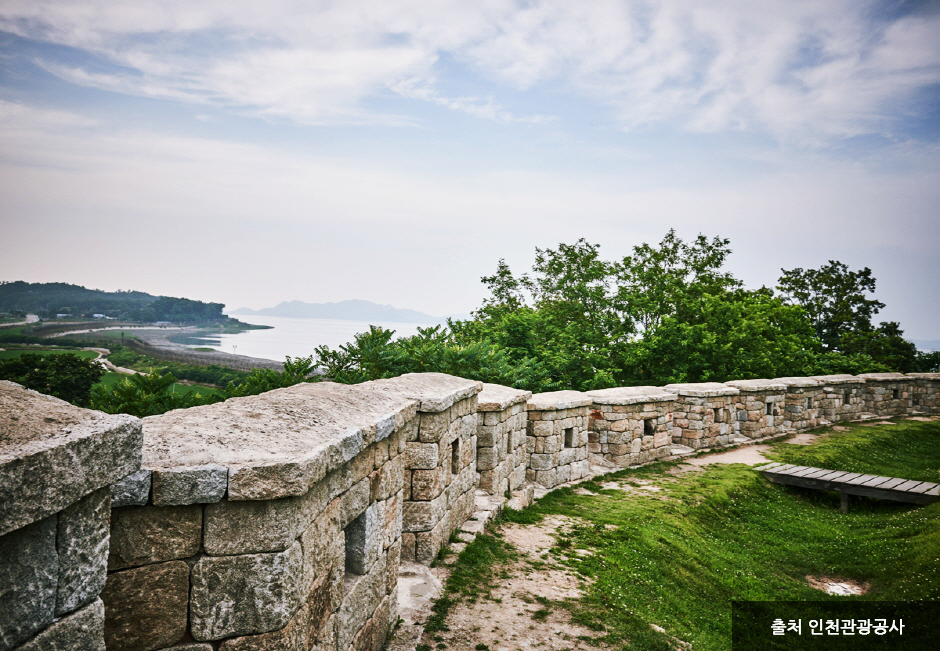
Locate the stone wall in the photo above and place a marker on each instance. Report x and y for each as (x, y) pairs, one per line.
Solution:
(631, 425)
(887, 394)
(925, 393)
(557, 437)
(802, 402)
(56, 463)
(502, 458)
(758, 408)
(279, 521)
(270, 521)
(703, 414)
(842, 397)
(440, 459)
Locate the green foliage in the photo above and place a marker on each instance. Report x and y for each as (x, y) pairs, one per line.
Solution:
(296, 370)
(886, 346)
(927, 362)
(212, 374)
(16, 336)
(667, 281)
(834, 299)
(49, 299)
(670, 313)
(145, 395)
(66, 376)
(374, 355)
(738, 334)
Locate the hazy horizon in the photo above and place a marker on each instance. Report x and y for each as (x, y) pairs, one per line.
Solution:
(395, 151)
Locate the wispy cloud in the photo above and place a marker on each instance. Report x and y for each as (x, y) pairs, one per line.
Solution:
(799, 70)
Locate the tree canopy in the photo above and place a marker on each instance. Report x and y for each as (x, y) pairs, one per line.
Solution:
(667, 312)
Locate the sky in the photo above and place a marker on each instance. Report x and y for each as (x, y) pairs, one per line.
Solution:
(393, 151)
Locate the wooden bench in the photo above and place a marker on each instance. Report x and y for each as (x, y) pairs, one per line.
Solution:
(852, 483)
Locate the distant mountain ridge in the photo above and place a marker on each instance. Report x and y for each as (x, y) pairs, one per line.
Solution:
(352, 310)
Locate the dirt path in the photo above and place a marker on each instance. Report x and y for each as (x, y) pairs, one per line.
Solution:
(519, 613)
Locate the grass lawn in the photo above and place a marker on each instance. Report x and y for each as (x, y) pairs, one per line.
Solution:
(10, 354)
(677, 557)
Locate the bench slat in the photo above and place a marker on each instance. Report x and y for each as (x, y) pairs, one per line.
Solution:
(925, 487)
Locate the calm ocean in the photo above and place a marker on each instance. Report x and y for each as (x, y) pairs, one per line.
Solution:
(291, 336)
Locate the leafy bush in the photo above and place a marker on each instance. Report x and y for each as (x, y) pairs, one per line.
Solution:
(296, 370)
(145, 395)
(66, 375)
(374, 355)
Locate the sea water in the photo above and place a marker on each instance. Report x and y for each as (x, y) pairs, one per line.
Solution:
(291, 336)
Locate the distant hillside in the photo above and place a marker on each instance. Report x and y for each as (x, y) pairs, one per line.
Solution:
(49, 299)
(353, 310)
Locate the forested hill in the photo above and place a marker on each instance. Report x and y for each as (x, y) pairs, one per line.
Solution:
(49, 299)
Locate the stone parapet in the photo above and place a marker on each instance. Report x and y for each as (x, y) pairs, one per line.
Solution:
(630, 425)
(925, 393)
(272, 521)
(440, 459)
(888, 394)
(557, 438)
(501, 439)
(56, 464)
(758, 410)
(703, 414)
(802, 406)
(842, 397)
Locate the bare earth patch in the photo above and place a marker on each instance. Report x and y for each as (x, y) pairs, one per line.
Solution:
(519, 614)
(752, 455)
(834, 585)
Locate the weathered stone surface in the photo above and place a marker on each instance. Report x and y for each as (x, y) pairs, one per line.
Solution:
(247, 594)
(757, 385)
(53, 453)
(278, 444)
(799, 381)
(838, 379)
(82, 630)
(496, 397)
(422, 456)
(630, 395)
(189, 485)
(82, 543)
(133, 490)
(702, 389)
(363, 596)
(28, 577)
(898, 377)
(197, 646)
(258, 526)
(363, 541)
(433, 391)
(146, 607)
(152, 534)
(557, 400)
(292, 637)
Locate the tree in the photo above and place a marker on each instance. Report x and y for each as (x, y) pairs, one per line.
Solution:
(834, 299)
(886, 345)
(63, 375)
(657, 282)
(734, 335)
